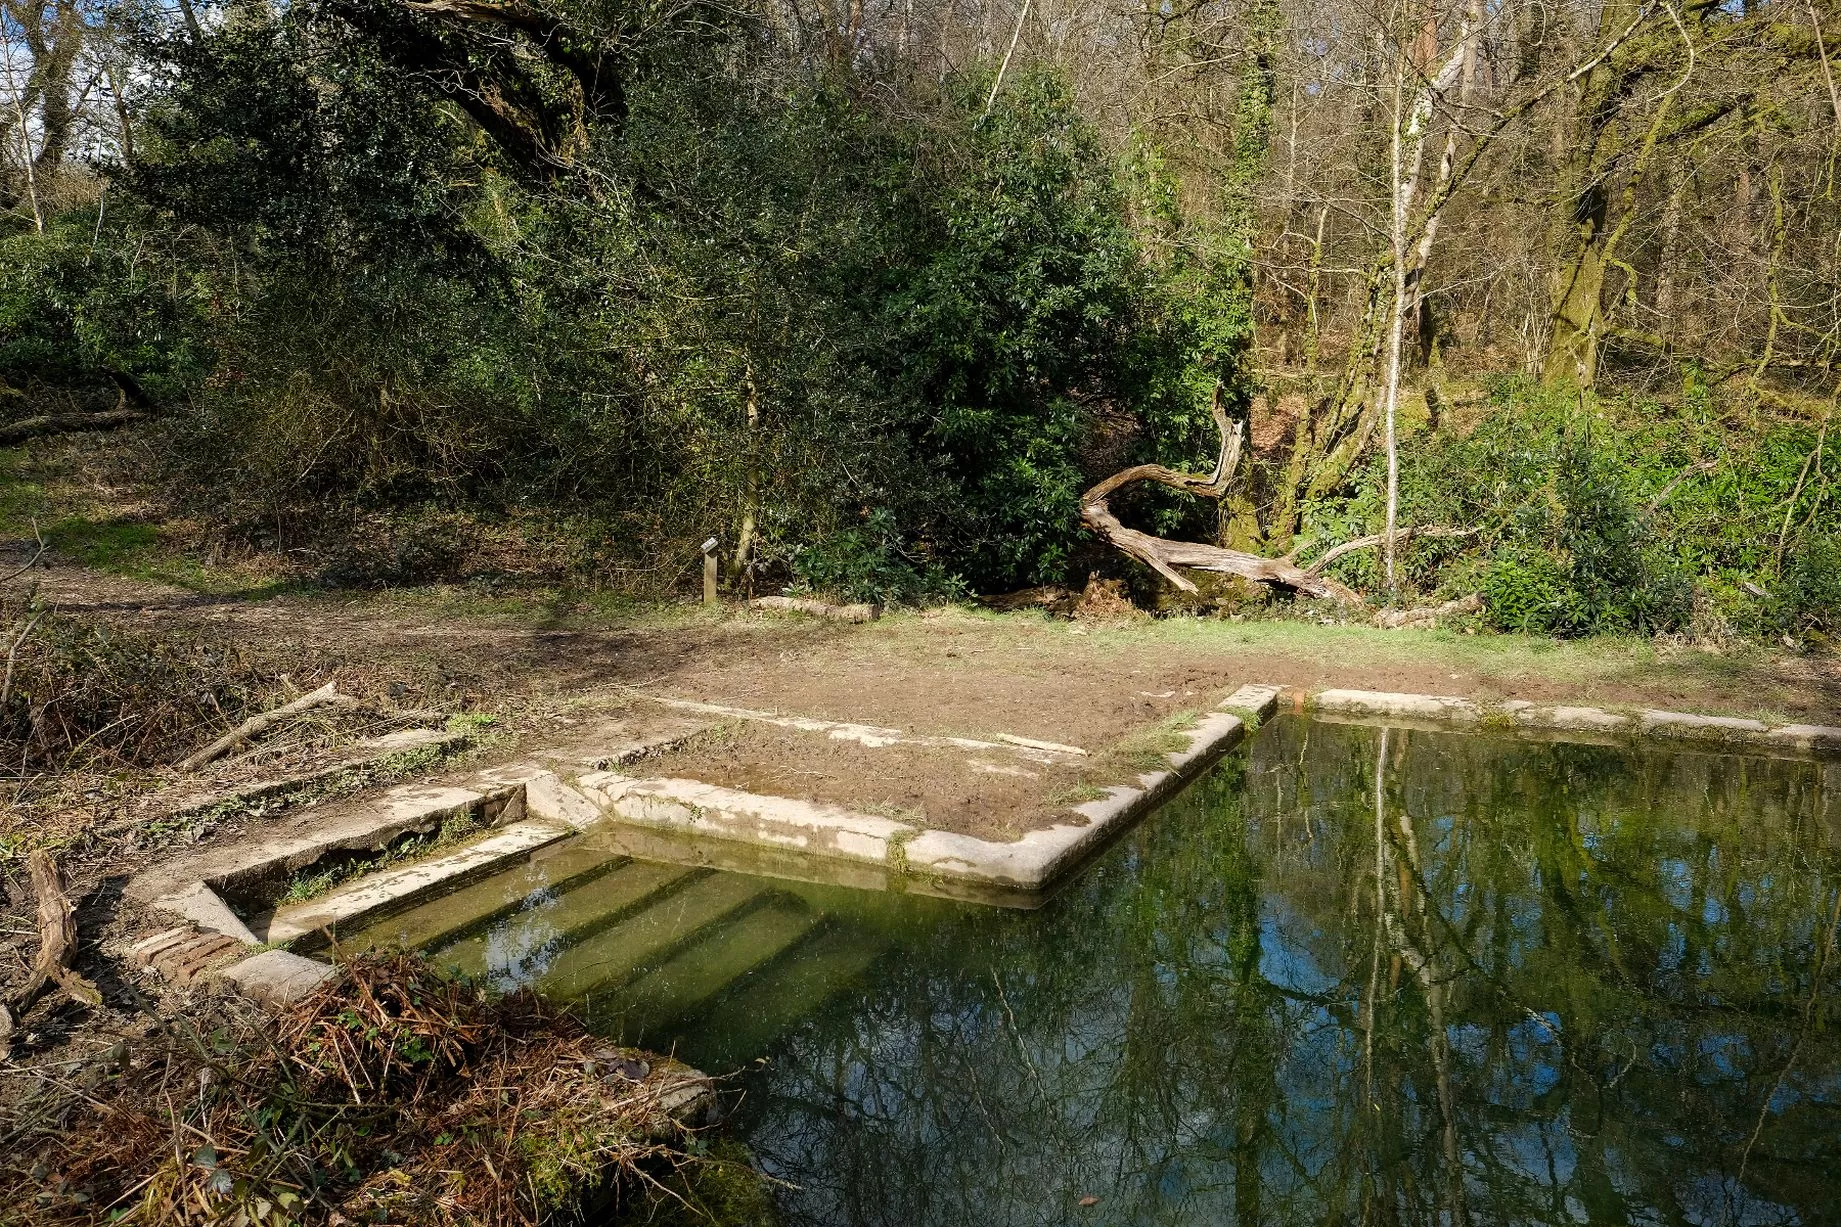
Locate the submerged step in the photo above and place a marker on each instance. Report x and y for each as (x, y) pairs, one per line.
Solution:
(452, 916)
(695, 975)
(630, 946)
(517, 946)
(755, 1011)
(411, 883)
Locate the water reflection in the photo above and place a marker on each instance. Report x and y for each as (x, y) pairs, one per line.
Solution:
(1359, 976)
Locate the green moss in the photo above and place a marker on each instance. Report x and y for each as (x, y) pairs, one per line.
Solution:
(1495, 720)
(722, 1189)
(1149, 749)
(22, 495)
(1246, 715)
(139, 550)
(104, 544)
(1078, 794)
(898, 852)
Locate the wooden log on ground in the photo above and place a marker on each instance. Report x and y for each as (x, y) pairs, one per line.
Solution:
(1400, 619)
(66, 423)
(818, 609)
(1165, 557)
(325, 696)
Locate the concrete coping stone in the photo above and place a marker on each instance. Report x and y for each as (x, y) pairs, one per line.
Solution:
(276, 977)
(405, 809)
(1728, 732)
(199, 905)
(557, 807)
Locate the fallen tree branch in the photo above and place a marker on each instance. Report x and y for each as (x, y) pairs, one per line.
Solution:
(818, 609)
(1399, 619)
(1400, 534)
(42, 547)
(1164, 556)
(12, 659)
(1699, 466)
(65, 423)
(57, 948)
(327, 695)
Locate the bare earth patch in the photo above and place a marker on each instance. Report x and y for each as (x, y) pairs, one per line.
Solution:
(992, 794)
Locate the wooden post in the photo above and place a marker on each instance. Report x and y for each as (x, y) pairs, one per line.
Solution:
(709, 571)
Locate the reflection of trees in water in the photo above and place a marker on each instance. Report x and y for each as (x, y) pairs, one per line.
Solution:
(1363, 978)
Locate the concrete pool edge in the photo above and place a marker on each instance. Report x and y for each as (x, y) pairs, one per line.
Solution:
(213, 942)
(1029, 863)
(1577, 721)
(867, 850)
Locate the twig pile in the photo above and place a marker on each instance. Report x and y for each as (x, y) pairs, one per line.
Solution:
(391, 1095)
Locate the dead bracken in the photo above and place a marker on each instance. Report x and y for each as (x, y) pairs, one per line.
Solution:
(389, 1095)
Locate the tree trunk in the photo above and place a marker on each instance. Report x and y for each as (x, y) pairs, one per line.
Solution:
(1579, 255)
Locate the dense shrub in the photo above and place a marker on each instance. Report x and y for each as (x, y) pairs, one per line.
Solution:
(867, 562)
(1576, 558)
(895, 341)
(1033, 312)
(1608, 518)
(1809, 598)
(83, 311)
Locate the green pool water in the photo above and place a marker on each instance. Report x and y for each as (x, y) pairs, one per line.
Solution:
(1353, 975)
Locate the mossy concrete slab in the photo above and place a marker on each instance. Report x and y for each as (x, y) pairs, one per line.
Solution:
(1577, 720)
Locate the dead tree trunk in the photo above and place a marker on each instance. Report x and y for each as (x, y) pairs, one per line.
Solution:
(57, 950)
(1164, 557)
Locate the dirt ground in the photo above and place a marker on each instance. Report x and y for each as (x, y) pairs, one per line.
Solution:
(947, 670)
(944, 672)
(995, 795)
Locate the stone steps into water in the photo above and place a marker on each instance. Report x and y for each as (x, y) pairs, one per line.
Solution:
(696, 974)
(618, 952)
(757, 1009)
(375, 893)
(452, 917)
(551, 923)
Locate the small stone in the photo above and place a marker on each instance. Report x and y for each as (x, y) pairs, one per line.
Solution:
(629, 1068)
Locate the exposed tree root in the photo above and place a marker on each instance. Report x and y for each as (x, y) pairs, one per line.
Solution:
(1400, 619)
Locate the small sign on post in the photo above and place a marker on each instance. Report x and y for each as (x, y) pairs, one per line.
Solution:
(709, 571)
